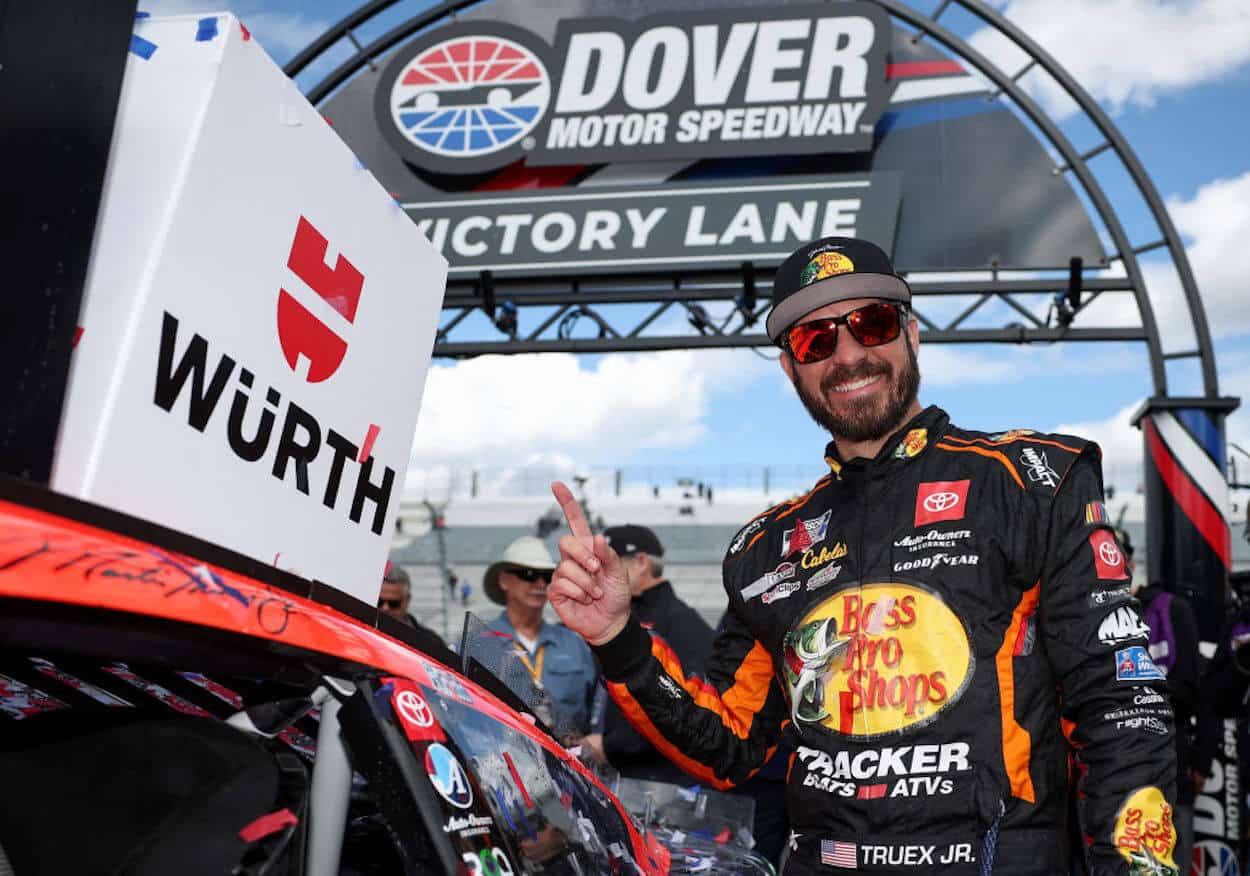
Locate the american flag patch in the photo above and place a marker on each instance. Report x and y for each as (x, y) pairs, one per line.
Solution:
(838, 854)
(1096, 512)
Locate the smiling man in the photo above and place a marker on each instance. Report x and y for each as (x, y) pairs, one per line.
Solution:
(928, 626)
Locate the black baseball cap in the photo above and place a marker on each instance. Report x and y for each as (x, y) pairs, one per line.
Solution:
(633, 539)
(828, 270)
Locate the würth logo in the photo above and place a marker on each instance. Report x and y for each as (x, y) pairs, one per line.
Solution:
(298, 447)
(300, 331)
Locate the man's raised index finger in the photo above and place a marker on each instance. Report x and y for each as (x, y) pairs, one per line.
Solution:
(572, 510)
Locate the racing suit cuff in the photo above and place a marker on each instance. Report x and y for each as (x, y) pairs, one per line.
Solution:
(625, 654)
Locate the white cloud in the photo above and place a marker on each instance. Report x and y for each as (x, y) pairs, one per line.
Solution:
(1121, 444)
(504, 409)
(1216, 224)
(946, 365)
(952, 366)
(1125, 52)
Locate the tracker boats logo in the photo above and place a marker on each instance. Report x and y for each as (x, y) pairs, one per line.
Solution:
(472, 97)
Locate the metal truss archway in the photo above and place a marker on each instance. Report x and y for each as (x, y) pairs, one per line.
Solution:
(725, 309)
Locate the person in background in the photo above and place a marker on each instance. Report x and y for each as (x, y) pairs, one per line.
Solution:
(395, 596)
(658, 608)
(1173, 645)
(557, 659)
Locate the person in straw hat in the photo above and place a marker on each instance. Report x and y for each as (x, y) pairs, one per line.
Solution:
(557, 659)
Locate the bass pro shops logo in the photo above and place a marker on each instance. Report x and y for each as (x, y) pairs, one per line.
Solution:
(876, 659)
(473, 97)
(1145, 835)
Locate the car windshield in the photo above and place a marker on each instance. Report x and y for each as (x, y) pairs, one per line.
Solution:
(484, 650)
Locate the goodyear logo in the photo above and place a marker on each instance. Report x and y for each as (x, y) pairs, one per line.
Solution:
(876, 659)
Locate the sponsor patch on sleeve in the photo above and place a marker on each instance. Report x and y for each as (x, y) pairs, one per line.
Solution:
(1096, 512)
(744, 535)
(1134, 664)
(1144, 833)
(1108, 558)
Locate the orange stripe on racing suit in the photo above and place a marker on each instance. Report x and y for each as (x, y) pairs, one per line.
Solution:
(636, 716)
(803, 500)
(1017, 744)
(794, 502)
(992, 454)
(735, 709)
(744, 698)
(1024, 439)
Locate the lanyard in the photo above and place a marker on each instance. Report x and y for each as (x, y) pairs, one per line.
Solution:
(535, 668)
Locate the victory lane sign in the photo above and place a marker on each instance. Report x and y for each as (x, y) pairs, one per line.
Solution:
(686, 225)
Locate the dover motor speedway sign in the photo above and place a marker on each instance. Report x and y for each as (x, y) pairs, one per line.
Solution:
(679, 225)
(788, 80)
(257, 319)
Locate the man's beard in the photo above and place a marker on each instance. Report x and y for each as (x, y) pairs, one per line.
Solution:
(865, 419)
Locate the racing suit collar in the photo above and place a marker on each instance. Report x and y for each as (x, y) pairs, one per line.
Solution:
(913, 439)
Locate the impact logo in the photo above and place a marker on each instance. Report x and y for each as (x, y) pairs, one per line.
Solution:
(468, 95)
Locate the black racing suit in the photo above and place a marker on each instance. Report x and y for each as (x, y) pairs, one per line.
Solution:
(661, 611)
(934, 630)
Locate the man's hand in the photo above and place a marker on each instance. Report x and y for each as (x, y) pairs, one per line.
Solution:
(592, 748)
(590, 588)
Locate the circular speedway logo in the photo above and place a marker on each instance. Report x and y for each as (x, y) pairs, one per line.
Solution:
(876, 659)
(464, 98)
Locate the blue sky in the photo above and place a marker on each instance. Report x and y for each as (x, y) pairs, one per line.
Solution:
(1175, 77)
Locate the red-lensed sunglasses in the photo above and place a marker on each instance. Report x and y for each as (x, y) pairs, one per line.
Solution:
(871, 325)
